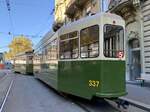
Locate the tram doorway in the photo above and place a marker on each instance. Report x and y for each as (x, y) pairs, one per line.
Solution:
(135, 59)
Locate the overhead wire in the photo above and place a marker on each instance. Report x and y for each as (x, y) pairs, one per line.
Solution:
(11, 32)
(51, 13)
(10, 17)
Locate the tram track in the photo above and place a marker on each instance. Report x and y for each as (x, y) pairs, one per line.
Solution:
(74, 102)
(7, 94)
(2, 77)
(93, 106)
(118, 106)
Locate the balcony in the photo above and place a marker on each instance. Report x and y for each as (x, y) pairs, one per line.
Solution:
(118, 4)
(57, 24)
(73, 6)
(124, 8)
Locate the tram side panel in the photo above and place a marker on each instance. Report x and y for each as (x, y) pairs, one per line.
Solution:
(46, 72)
(46, 64)
(49, 75)
(77, 78)
(92, 78)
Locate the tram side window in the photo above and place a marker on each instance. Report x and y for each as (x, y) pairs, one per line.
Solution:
(69, 46)
(52, 50)
(113, 40)
(89, 41)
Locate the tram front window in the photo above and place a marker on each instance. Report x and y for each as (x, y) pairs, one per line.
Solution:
(113, 40)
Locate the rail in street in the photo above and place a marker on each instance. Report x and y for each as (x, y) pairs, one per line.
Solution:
(6, 96)
(6, 82)
(99, 105)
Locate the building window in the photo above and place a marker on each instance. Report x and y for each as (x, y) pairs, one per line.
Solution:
(89, 41)
(134, 43)
(113, 40)
(69, 46)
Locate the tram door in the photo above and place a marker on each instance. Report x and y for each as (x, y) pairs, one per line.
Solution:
(135, 60)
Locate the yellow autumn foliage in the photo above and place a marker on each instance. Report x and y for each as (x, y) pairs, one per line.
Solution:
(18, 45)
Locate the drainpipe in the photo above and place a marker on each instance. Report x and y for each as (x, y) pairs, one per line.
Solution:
(142, 42)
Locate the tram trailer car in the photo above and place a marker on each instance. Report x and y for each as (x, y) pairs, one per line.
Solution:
(85, 58)
(23, 63)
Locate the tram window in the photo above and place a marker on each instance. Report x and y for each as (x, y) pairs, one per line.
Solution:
(69, 47)
(52, 50)
(63, 37)
(113, 40)
(89, 41)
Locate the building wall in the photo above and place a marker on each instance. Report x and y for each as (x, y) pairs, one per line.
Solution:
(146, 37)
(91, 6)
(137, 27)
(60, 7)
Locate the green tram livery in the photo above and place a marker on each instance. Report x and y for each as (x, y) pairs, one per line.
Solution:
(23, 63)
(85, 58)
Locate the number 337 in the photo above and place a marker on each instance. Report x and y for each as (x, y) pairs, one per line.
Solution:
(93, 83)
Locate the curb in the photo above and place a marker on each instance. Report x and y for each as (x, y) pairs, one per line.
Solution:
(140, 105)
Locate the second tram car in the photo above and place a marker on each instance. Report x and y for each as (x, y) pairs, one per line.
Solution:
(85, 58)
(23, 63)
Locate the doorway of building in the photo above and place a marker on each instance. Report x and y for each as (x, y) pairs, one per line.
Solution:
(134, 59)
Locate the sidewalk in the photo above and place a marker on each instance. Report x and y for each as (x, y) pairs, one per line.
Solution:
(138, 96)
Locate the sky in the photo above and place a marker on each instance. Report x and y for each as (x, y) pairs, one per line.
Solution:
(27, 17)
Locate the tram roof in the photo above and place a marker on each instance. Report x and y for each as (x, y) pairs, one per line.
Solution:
(75, 26)
(46, 37)
(88, 21)
(24, 53)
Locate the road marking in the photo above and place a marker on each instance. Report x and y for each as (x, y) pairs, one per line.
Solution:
(8, 91)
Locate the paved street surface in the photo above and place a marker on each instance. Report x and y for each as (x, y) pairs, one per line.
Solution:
(29, 95)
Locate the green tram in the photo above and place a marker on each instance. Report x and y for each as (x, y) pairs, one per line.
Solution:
(85, 58)
(23, 63)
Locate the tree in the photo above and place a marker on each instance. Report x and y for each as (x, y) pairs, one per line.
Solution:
(18, 45)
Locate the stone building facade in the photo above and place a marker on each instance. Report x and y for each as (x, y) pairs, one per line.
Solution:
(137, 16)
(71, 10)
